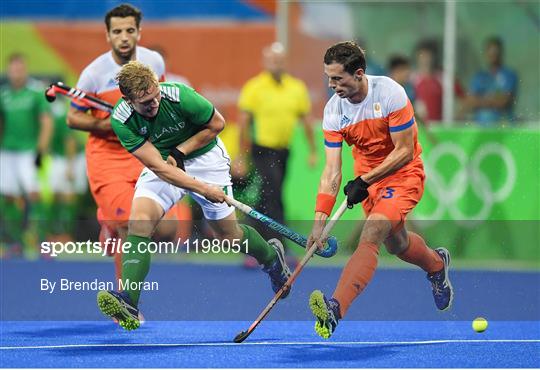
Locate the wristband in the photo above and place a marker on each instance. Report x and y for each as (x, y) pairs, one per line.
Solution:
(178, 157)
(325, 203)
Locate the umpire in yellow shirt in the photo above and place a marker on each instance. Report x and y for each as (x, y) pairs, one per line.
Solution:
(271, 104)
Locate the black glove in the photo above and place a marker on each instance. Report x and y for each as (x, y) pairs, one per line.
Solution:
(178, 157)
(37, 160)
(356, 191)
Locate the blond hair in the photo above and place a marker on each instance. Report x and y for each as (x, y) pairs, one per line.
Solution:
(135, 79)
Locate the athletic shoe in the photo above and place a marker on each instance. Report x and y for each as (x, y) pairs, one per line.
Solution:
(443, 293)
(119, 307)
(326, 312)
(278, 270)
(142, 320)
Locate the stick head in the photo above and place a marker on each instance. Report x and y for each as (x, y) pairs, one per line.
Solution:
(50, 94)
(241, 336)
(330, 249)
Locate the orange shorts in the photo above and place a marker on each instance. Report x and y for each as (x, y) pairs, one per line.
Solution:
(114, 201)
(396, 196)
(112, 175)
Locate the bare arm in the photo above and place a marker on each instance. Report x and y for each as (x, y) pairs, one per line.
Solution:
(45, 132)
(151, 158)
(84, 121)
(402, 154)
(240, 164)
(205, 136)
(244, 122)
(331, 177)
(329, 184)
(70, 145)
(496, 101)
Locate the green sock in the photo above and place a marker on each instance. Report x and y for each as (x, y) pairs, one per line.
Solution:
(12, 214)
(257, 246)
(36, 212)
(135, 265)
(66, 215)
(37, 219)
(52, 217)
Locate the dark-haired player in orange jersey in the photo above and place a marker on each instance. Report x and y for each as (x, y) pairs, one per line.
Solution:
(374, 114)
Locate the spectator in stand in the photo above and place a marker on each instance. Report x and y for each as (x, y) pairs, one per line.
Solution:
(493, 90)
(399, 70)
(427, 83)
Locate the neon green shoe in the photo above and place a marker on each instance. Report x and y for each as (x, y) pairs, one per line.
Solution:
(326, 312)
(119, 307)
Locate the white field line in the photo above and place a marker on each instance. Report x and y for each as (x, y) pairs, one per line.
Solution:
(327, 343)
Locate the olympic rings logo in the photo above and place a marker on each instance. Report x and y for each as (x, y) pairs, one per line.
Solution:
(447, 193)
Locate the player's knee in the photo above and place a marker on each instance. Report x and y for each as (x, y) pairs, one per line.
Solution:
(34, 197)
(395, 248)
(141, 224)
(166, 230)
(231, 236)
(11, 199)
(397, 243)
(376, 229)
(230, 233)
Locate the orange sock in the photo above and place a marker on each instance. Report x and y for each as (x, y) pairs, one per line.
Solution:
(419, 254)
(356, 275)
(118, 266)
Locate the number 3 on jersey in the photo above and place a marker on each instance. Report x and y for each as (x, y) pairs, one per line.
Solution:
(389, 193)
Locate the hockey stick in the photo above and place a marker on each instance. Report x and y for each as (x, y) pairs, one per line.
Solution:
(76, 94)
(328, 251)
(244, 334)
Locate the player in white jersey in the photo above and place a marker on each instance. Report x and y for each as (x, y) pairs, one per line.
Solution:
(374, 114)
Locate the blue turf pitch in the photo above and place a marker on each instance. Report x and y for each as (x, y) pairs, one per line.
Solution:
(399, 327)
(274, 344)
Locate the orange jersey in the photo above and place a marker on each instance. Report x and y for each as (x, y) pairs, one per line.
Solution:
(368, 125)
(112, 170)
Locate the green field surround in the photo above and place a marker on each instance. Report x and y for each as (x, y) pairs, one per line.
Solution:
(487, 180)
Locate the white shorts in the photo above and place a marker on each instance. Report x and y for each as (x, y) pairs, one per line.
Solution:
(212, 168)
(18, 173)
(58, 179)
(81, 177)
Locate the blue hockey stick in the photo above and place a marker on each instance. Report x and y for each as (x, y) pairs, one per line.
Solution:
(331, 245)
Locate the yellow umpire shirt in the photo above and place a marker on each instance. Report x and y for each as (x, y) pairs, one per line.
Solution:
(276, 108)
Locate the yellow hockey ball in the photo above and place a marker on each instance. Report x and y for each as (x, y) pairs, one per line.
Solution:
(479, 324)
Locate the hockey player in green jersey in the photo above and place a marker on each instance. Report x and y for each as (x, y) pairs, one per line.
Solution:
(173, 131)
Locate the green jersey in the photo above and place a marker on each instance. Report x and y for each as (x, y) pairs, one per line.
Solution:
(20, 111)
(182, 114)
(61, 130)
